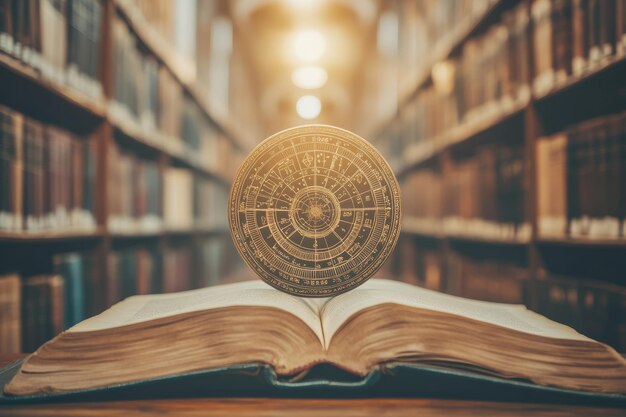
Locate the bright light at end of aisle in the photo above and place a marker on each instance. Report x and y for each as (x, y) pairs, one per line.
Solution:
(309, 45)
(305, 5)
(309, 78)
(308, 107)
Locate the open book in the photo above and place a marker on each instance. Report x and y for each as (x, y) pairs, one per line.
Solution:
(382, 321)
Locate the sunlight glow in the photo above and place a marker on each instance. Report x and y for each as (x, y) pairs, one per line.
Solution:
(309, 78)
(309, 45)
(308, 107)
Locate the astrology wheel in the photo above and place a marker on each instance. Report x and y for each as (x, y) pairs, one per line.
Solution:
(315, 210)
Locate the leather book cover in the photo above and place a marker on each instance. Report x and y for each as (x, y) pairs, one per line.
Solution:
(260, 380)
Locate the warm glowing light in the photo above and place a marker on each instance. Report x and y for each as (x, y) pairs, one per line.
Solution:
(302, 4)
(309, 77)
(309, 45)
(443, 76)
(308, 107)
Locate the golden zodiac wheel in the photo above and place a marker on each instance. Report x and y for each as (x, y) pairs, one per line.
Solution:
(315, 210)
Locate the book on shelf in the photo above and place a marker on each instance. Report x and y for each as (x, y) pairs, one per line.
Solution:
(210, 199)
(429, 28)
(420, 266)
(178, 269)
(360, 332)
(178, 207)
(43, 312)
(579, 36)
(47, 176)
(136, 81)
(487, 280)
(572, 37)
(551, 167)
(150, 102)
(216, 261)
(51, 302)
(192, 201)
(80, 286)
(543, 35)
(132, 270)
(428, 208)
(620, 25)
(34, 176)
(77, 285)
(193, 124)
(11, 170)
(492, 72)
(61, 39)
(11, 318)
(210, 260)
(21, 35)
(136, 203)
(594, 308)
(490, 77)
(481, 196)
(170, 94)
(54, 39)
(580, 180)
(84, 45)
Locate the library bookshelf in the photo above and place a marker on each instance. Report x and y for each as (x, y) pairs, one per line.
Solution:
(466, 245)
(138, 253)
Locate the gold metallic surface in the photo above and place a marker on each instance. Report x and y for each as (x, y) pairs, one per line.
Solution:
(315, 210)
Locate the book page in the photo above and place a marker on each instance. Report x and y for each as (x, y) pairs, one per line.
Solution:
(141, 308)
(377, 291)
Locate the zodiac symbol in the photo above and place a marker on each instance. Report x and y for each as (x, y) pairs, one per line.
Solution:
(314, 186)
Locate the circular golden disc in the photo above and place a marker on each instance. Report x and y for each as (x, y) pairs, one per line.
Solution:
(315, 210)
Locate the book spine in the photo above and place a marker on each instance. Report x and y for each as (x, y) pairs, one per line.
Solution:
(10, 319)
(70, 268)
(622, 174)
(580, 37)
(607, 40)
(594, 27)
(620, 24)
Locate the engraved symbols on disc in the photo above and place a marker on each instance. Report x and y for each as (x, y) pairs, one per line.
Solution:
(314, 210)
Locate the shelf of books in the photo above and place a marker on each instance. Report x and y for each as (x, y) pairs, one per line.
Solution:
(114, 173)
(464, 22)
(513, 172)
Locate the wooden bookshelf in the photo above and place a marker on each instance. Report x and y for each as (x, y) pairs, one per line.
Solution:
(464, 238)
(182, 69)
(582, 242)
(613, 66)
(443, 49)
(29, 92)
(464, 134)
(52, 236)
(158, 144)
(583, 262)
(73, 97)
(467, 134)
(55, 102)
(153, 234)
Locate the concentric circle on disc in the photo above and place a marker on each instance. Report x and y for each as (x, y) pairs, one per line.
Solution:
(315, 210)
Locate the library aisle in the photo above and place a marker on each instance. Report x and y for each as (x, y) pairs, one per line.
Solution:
(123, 123)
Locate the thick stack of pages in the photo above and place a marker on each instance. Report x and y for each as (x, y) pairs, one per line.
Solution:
(147, 337)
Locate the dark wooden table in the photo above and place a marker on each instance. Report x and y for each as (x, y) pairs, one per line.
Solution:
(299, 407)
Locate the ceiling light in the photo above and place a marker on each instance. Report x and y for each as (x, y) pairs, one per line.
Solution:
(309, 77)
(309, 45)
(308, 107)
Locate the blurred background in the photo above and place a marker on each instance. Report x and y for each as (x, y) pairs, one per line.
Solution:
(122, 123)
